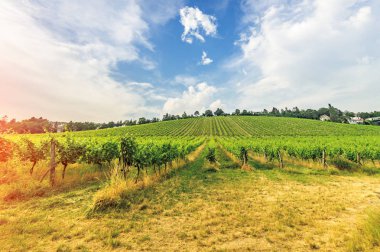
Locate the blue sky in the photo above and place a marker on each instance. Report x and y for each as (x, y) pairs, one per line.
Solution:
(174, 57)
(113, 60)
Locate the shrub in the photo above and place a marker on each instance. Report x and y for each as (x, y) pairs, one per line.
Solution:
(93, 154)
(210, 156)
(128, 148)
(344, 165)
(69, 152)
(6, 150)
(110, 151)
(243, 155)
(32, 152)
(98, 153)
(371, 170)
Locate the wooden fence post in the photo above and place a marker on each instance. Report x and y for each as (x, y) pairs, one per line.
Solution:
(324, 159)
(52, 162)
(280, 160)
(358, 159)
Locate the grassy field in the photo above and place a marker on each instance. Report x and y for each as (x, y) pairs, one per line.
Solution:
(195, 208)
(198, 206)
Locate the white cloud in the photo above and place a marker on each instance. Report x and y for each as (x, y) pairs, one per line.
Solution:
(199, 97)
(205, 60)
(310, 53)
(194, 22)
(161, 11)
(140, 85)
(56, 59)
(216, 104)
(185, 80)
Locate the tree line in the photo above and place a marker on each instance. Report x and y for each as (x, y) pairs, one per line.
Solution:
(40, 125)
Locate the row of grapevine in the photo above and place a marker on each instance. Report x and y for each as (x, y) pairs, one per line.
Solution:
(308, 148)
(6, 150)
(139, 153)
(281, 126)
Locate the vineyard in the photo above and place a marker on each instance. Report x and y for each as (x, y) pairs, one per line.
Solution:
(236, 126)
(146, 146)
(127, 164)
(102, 151)
(318, 149)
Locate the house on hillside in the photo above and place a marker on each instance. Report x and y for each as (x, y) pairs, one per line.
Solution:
(60, 127)
(373, 120)
(324, 118)
(356, 120)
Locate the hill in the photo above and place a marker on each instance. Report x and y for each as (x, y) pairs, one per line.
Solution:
(240, 126)
(267, 182)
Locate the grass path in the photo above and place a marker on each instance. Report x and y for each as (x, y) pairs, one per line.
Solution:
(197, 210)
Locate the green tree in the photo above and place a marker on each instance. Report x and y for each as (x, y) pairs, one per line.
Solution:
(208, 113)
(219, 112)
(245, 112)
(349, 114)
(142, 120)
(275, 112)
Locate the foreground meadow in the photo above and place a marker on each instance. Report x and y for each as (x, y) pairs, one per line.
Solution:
(198, 208)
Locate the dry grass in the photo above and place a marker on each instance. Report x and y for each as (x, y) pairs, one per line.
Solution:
(230, 210)
(17, 184)
(367, 237)
(195, 154)
(115, 193)
(231, 156)
(262, 215)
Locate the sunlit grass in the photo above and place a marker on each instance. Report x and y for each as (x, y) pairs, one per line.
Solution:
(117, 190)
(294, 209)
(17, 184)
(367, 238)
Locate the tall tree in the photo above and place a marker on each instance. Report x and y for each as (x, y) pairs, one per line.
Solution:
(219, 112)
(208, 113)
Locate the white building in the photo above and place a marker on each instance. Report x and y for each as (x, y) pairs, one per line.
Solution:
(61, 127)
(356, 120)
(324, 118)
(374, 120)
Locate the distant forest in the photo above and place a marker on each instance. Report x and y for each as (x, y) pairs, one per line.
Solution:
(41, 125)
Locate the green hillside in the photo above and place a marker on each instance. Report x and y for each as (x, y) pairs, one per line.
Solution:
(240, 126)
(225, 183)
